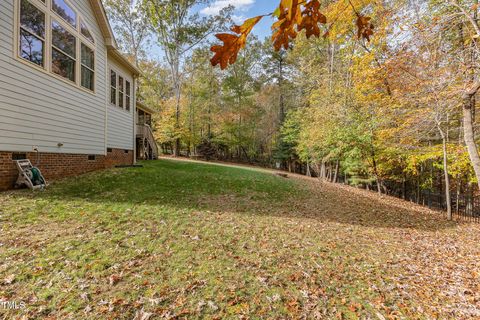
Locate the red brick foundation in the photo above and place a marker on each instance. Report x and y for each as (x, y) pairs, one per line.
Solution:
(59, 165)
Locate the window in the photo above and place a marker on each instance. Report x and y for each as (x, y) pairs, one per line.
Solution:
(120, 92)
(113, 87)
(92, 157)
(109, 150)
(32, 33)
(63, 52)
(68, 37)
(85, 32)
(127, 95)
(119, 84)
(88, 67)
(65, 11)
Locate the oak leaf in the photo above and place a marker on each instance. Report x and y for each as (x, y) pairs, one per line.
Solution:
(311, 18)
(232, 44)
(289, 16)
(292, 16)
(365, 27)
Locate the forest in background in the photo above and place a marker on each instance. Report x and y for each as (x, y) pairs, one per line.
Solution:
(387, 114)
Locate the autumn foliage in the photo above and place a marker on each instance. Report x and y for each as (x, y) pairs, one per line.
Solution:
(293, 16)
(232, 44)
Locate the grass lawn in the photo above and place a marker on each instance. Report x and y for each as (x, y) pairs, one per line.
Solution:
(187, 240)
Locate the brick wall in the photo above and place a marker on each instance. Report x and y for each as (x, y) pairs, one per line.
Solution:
(118, 157)
(59, 165)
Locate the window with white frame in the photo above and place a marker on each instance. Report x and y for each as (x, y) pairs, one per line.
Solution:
(120, 90)
(64, 48)
(71, 51)
(113, 87)
(88, 67)
(32, 33)
(128, 94)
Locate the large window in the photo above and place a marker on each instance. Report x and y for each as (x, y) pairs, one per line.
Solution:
(64, 47)
(61, 8)
(32, 33)
(71, 55)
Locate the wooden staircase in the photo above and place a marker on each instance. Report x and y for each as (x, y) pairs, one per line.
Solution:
(147, 147)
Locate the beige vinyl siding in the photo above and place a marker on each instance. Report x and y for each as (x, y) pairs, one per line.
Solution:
(40, 110)
(119, 121)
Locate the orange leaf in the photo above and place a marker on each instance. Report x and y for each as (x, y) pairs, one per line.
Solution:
(232, 44)
(311, 18)
(365, 27)
(284, 29)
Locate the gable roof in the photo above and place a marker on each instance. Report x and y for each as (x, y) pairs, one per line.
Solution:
(120, 58)
(106, 29)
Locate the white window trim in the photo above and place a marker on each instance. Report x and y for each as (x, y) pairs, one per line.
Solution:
(121, 91)
(112, 87)
(50, 15)
(128, 94)
(117, 97)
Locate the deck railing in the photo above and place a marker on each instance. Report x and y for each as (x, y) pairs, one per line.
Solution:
(144, 131)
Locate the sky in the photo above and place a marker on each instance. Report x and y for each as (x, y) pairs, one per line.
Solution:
(244, 9)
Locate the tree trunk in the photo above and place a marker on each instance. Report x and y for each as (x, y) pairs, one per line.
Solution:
(468, 99)
(375, 172)
(469, 136)
(323, 171)
(337, 168)
(447, 179)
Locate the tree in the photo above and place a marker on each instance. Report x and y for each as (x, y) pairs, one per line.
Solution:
(178, 31)
(293, 16)
(469, 32)
(131, 26)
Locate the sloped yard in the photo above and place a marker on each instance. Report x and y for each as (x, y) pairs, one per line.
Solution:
(186, 240)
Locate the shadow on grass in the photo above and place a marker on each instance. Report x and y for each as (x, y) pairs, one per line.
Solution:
(193, 186)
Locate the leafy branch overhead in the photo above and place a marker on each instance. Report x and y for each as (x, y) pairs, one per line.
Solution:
(293, 16)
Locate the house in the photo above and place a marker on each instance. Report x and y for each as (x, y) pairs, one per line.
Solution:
(67, 95)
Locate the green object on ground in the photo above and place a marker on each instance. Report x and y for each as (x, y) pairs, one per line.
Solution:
(36, 176)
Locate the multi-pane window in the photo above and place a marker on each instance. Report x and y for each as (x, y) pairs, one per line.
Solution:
(64, 46)
(88, 67)
(120, 92)
(32, 33)
(69, 35)
(61, 8)
(113, 87)
(128, 93)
